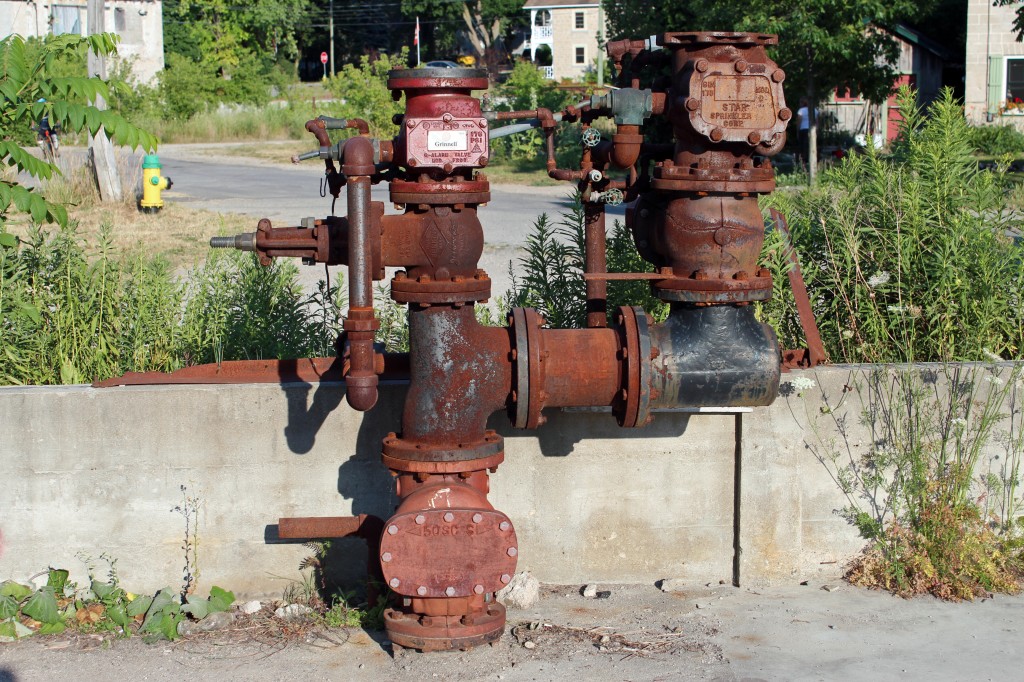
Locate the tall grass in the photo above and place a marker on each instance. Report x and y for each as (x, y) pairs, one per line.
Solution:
(75, 186)
(241, 123)
(909, 257)
(68, 318)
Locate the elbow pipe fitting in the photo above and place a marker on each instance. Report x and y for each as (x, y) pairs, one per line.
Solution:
(319, 130)
(358, 157)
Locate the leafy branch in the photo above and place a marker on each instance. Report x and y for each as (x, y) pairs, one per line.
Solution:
(29, 93)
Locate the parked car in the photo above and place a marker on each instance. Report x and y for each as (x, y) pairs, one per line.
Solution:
(442, 64)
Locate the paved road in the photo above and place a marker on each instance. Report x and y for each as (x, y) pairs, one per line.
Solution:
(285, 194)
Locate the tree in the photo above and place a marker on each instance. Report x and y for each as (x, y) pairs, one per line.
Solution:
(438, 25)
(231, 37)
(485, 21)
(1018, 22)
(23, 83)
(642, 18)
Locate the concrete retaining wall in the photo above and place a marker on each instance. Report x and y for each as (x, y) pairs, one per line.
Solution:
(90, 471)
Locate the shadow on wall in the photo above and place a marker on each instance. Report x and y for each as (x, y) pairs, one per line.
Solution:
(363, 479)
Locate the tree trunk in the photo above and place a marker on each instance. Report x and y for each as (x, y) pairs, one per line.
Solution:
(104, 160)
(477, 35)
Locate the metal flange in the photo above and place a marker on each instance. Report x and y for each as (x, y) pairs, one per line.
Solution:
(637, 377)
(399, 449)
(529, 395)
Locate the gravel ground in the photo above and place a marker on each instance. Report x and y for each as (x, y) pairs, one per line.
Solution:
(797, 632)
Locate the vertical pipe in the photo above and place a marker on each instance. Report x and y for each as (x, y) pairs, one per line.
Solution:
(596, 262)
(360, 325)
(360, 292)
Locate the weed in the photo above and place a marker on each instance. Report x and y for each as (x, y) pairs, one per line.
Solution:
(918, 494)
(553, 267)
(908, 257)
(189, 508)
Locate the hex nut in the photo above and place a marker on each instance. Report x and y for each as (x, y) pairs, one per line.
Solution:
(449, 517)
(420, 519)
(395, 582)
(512, 551)
(450, 591)
(504, 525)
(392, 529)
(421, 590)
(477, 518)
(386, 557)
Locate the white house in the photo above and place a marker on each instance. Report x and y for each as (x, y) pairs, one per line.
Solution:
(138, 22)
(570, 30)
(994, 79)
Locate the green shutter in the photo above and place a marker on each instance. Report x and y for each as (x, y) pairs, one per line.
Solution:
(996, 90)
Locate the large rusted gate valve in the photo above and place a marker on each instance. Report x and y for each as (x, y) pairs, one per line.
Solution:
(694, 215)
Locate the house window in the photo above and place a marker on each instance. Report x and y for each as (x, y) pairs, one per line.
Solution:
(581, 54)
(581, 21)
(120, 24)
(542, 18)
(1015, 81)
(66, 19)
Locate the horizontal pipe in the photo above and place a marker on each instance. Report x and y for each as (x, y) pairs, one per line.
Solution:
(582, 367)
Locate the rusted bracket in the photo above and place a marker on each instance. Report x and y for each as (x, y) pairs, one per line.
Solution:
(623, 276)
(814, 354)
(302, 370)
(365, 526)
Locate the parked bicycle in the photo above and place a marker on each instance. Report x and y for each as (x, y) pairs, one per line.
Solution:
(50, 144)
(46, 137)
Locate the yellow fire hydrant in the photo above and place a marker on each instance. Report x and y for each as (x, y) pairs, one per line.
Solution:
(152, 184)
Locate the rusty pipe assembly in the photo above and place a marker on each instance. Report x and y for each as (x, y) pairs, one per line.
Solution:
(693, 214)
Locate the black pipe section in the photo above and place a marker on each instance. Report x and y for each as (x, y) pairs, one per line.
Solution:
(714, 356)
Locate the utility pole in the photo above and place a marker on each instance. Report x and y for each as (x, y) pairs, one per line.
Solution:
(104, 160)
(330, 27)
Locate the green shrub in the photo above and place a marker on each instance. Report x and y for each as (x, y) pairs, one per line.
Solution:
(526, 89)
(993, 140)
(907, 256)
(186, 87)
(361, 92)
(552, 280)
